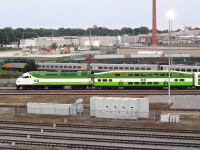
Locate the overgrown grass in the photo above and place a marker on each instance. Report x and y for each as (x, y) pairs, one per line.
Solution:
(62, 58)
(9, 74)
(7, 48)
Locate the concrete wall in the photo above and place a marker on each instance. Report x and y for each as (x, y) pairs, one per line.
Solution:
(194, 52)
(7, 82)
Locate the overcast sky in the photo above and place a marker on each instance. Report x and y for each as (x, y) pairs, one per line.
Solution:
(86, 13)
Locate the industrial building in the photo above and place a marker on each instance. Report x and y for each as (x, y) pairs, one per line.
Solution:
(119, 107)
(176, 51)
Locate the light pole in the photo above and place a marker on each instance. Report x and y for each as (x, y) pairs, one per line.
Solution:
(170, 15)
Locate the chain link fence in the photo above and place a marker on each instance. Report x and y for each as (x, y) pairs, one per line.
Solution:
(87, 116)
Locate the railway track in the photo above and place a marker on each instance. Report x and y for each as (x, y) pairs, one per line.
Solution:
(100, 127)
(97, 92)
(100, 140)
(64, 136)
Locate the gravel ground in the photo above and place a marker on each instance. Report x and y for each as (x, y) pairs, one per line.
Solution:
(19, 54)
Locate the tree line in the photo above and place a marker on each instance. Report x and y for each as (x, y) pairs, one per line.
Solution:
(9, 35)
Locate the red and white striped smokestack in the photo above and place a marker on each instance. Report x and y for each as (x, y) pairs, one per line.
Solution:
(154, 29)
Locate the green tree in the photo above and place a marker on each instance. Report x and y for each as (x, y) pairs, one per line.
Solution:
(30, 66)
(54, 45)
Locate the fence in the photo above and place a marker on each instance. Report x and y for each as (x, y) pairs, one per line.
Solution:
(87, 116)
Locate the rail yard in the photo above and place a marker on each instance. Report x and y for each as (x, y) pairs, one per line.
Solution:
(95, 137)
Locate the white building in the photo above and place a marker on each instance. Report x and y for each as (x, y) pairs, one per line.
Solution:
(118, 107)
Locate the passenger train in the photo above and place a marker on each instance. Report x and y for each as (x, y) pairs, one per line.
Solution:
(99, 67)
(93, 67)
(147, 79)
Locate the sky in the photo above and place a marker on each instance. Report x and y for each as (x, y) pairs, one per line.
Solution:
(113, 14)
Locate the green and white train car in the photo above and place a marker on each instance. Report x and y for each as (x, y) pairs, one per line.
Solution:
(38, 79)
(197, 79)
(143, 79)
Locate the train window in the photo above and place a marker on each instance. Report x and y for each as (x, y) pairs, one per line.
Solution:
(148, 68)
(149, 82)
(69, 66)
(182, 80)
(142, 68)
(177, 69)
(194, 70)
(43, 66)
(105, 80)
(137, 83)
(121, 68)
(117, 75)
(199, 80)
(182, 69)
(130, 75)
(137, 75)
(156, 83)
(100, 67)
(61, 66)
(175, 79)
(143, 83)
(79, 67)
(131, 68)
(105, 67)
(126, 68)
(65, 66)
(110, 80)
(52, 66)
(99, 80)
(56, 66)
(143, 75)
(149, 75)
(26, 77)
(130, 83)
(162, 75)
(74, 66)
(189, 70)
(115, 67)
(137, 68)
(47, 66)
(39, 66)
(110, 67)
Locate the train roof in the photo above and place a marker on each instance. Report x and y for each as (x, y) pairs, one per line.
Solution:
(145, 71)
(67, 64)
(93, 64)
(121, 65)
(181, 66)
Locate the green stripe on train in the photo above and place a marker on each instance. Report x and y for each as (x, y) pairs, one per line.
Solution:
(143, 75)
(161, 84)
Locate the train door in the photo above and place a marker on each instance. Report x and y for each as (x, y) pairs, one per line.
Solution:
(120, 83)
(166, 83)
